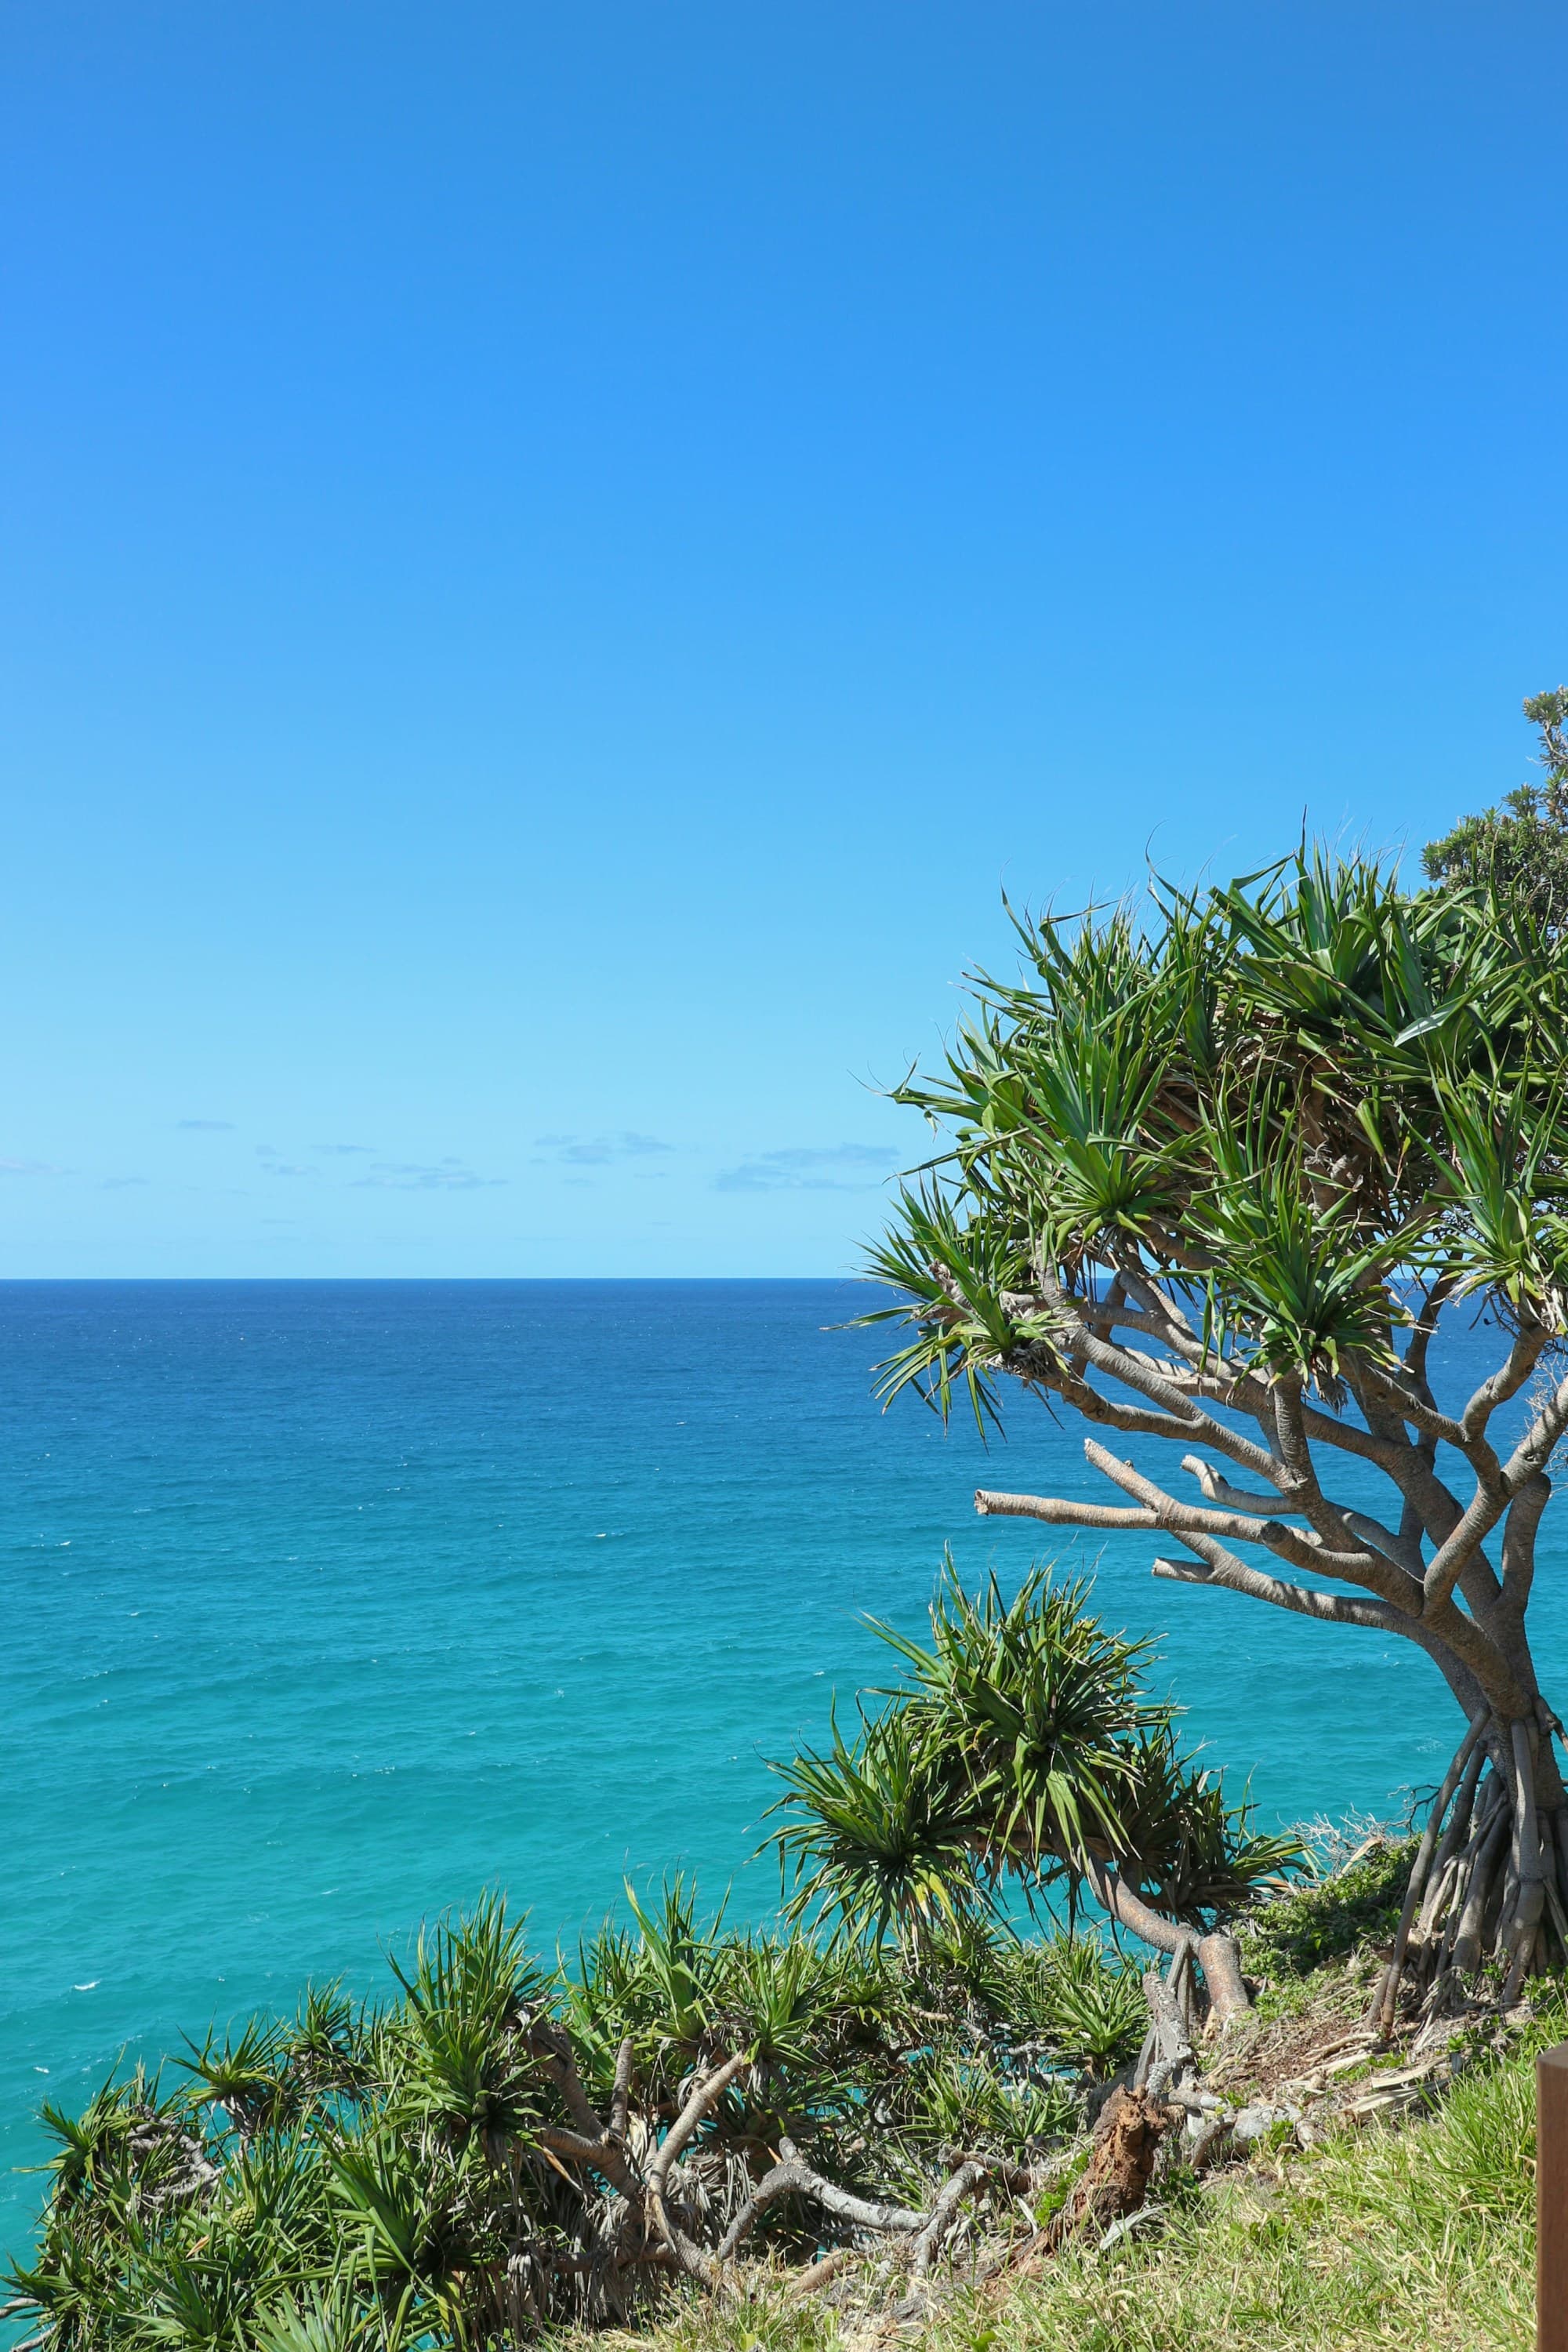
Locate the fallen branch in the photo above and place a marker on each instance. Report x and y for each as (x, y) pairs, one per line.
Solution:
(969, 2177)
(792, 2176)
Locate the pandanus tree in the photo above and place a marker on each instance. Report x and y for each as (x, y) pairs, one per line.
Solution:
(507, 2147)
(1218, 1180)
(1021, 1751)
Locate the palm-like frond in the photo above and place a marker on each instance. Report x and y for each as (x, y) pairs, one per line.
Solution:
(1289, 1089)
(1197, 1853)
(1034, 1702)
(881, 1836)
(1087, 2003)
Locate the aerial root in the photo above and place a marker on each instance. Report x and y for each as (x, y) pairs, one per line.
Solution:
(1489, 1882)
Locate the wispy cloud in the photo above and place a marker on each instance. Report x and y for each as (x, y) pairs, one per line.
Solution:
(28, 1167)
(601, 1150)
(417, 1176)
(205, 1126)
(346, 1150)
(831, 1168)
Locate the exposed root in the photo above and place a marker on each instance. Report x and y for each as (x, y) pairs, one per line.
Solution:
(1490, 1883)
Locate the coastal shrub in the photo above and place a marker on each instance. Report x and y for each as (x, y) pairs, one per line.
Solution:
(456, 2164)
(1021, 1753)
(1299, 1933)
(402, 2174)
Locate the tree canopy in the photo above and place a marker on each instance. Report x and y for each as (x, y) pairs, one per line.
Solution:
(1022, 1751)
(1523, 845)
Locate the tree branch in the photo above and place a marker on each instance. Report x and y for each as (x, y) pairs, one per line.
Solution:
(1221, 1568)
(1506, 1381)
(1308, 1551)
(1534, 1449)
(1518, 1543)
(1394, 1547)
(790, 2176)
(698, 2107)
(1112, 1892)
(702, 2104)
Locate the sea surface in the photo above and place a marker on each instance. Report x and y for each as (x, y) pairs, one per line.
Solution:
(328, 1605)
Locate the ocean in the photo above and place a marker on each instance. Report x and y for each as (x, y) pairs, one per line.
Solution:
(329, 1605)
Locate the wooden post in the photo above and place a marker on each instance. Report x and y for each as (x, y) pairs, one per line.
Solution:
(1552, 2200)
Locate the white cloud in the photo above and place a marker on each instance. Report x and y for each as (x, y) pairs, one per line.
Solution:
(417, 1176)
(600, 1150)
(802, 1167)
(28, 1167)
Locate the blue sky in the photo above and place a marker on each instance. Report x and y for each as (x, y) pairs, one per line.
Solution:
(555, 560)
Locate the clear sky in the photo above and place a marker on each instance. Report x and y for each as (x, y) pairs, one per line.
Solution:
(555, 560)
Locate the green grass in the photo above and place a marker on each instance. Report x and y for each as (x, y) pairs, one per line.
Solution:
(1423, 2237)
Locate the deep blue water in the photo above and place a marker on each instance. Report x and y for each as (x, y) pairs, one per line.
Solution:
(329, 1604)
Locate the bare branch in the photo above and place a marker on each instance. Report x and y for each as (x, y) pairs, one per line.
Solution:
(1432, 1306)
(1404, 1553)
(620, 2096)
(1308, 1551)
(1112, 1892)
(972, 2175)
(698, 2107)
(700, 2104)
(1325, 1517)
(1534, 1449)
(1507, 1381)
(1326, 1429)
(1518, 1543)
(1218, 1491)
(1224, 1570)
(1136, 1420)
(1164, 1386)
(790, 2176)
(1454, 1553)
(1440, 1426)
(1057, 1514)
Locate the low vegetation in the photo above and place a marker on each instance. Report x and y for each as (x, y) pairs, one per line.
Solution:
(847, 2138)
(1408, 2218)
(505, 2144)
(509, 2144)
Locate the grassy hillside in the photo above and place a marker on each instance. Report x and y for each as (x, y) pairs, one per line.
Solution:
(1408, 2223)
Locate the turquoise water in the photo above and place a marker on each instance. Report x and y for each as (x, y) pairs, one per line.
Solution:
(330, 1604)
